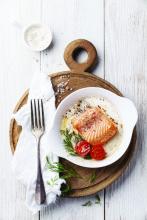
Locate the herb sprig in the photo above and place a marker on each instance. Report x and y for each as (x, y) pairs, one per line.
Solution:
(67, 140)
(65, 189)
(65, 172)
(93, 176)
(53, 181)
(89, 203)
(98, 201)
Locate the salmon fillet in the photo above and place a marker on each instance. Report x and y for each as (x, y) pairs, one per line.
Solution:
(95, 126)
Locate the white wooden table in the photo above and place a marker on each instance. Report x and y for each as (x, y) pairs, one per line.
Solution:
(118, 29)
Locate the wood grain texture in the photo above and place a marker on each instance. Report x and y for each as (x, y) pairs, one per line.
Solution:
(125, 65)
(124, 37)
(70, 54)
(17, 65)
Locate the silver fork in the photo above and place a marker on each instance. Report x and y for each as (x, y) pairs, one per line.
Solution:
(38, 128)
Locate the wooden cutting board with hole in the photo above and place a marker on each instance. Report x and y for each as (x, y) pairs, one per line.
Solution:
(74, 79)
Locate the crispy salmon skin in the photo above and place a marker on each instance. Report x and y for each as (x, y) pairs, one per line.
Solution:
(95, 126)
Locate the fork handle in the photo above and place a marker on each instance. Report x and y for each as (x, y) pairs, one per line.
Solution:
(40, 195)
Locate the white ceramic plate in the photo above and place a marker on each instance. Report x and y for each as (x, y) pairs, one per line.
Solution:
(125, 109)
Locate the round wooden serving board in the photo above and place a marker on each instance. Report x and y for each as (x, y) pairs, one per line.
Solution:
(75, 79)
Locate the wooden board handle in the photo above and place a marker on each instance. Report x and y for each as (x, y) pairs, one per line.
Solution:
(70, 51)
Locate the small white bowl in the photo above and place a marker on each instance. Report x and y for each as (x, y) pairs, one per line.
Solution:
(37, 37)
(125, 109)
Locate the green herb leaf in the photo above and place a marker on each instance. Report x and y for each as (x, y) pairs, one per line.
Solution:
(93, 176)
(65, 189)
(89, 203)
(88, 157)
(65, 172)
(98, 200)
(77, 137)
(53, 181)
(67, 137)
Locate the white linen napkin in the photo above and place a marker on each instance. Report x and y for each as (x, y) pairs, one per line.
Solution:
(24, 162)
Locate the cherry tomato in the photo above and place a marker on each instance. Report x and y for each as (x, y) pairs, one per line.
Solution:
(97, 152)
(82, 148)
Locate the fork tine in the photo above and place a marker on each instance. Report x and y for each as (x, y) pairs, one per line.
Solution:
(42, 115)
(35, 114)
(32, 118)
(39, 118)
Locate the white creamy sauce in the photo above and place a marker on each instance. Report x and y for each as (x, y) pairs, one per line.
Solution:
(112, 145)
(37, 37)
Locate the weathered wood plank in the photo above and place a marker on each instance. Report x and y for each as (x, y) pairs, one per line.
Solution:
(73, 209)
(70, 20)
(125, 52)
(17, 65)
(125, 60)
